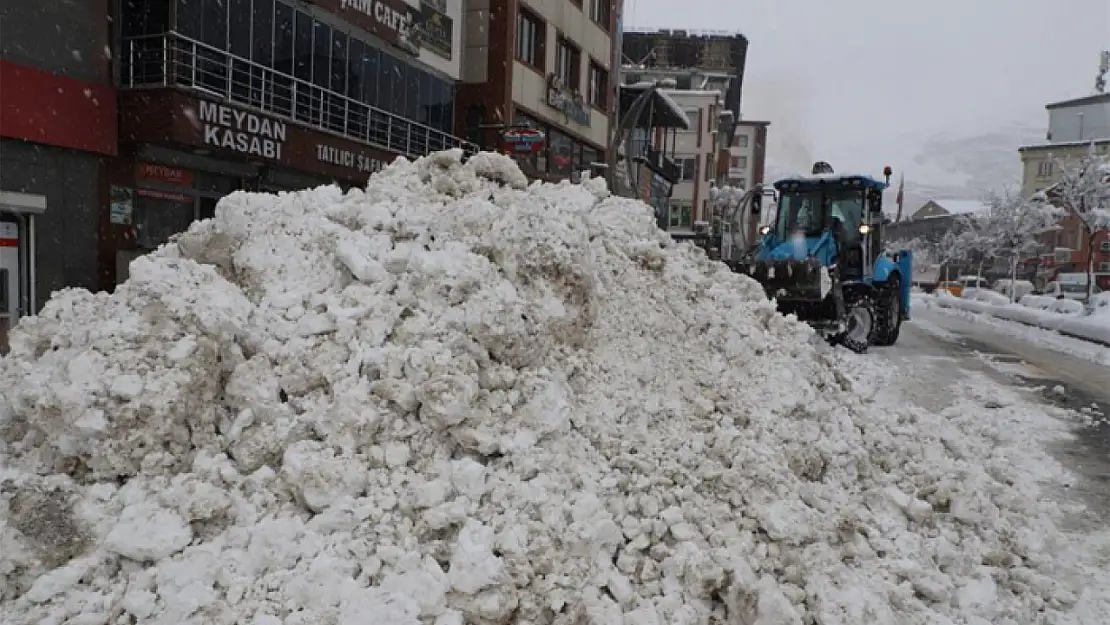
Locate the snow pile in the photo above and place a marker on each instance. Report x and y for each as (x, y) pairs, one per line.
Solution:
(454, 398)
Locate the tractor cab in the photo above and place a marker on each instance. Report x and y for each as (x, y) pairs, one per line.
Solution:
(836, 220)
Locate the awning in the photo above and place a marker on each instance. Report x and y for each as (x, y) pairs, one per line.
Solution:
(661, 111)
(24, 203)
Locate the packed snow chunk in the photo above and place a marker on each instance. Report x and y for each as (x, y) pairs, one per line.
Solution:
(147, 532)
(457, 397)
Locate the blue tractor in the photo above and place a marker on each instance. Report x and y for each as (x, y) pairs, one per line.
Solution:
(822, 259)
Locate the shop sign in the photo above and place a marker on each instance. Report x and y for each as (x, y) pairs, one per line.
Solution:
(121, 205)
(570, 104)
(350, 159)
(241, 131)
(394, 21)
(155, 194)
(436, 31)
(166, 175)
(523, 141)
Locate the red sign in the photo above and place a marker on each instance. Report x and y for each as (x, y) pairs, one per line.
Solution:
(166, 175)
(41, 107)
(523, 141)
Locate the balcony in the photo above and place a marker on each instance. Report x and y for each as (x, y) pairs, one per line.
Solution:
(659, 163)
(171, 60)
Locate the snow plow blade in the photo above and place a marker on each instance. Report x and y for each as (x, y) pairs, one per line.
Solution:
(801, 288)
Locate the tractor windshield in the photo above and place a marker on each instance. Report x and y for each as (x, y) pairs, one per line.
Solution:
(811, 212)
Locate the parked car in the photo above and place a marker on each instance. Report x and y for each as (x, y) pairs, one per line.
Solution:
(1019, 288)
(1069, 286)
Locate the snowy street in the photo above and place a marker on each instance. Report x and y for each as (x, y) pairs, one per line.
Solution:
(939, 351)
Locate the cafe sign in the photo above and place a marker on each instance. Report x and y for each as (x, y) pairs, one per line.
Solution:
(393, 21)
(436, 31)
(241, 131)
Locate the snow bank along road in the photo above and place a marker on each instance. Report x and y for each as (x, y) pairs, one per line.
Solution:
(456, 398)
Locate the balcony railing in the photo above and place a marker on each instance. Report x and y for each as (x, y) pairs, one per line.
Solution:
(657, 161)
(171, 60)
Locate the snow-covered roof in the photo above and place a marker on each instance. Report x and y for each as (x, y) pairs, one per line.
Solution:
(1062, 144)
(962, 207)
(674, 107)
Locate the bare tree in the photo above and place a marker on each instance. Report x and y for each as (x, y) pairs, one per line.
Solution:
(1083, 191)
(1013, 225)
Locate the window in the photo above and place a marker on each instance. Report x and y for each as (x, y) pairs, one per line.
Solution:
(688, 169)
(710, 167)
(695, 119)
(598, 91)
(742, 141)
(739, 162)
(568, 64)
(530, 37)
(1044, 169)
(601, 12)
(742, 183)
(681, 214)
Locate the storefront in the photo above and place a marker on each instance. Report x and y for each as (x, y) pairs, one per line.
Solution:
(180, 154)
(563, 156)
(18, 213)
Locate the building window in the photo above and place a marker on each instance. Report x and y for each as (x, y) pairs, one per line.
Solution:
(1044, 169)
(688, 168)
(742, 183)
(695, 120)
(681, 214)
(710, 167)
(531, 32)
(742, 141)
(739, 162)
(568, 64)
(598, 91)
(600, 12)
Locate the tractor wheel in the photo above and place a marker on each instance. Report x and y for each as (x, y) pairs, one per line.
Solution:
(890, 315)
(860, 320)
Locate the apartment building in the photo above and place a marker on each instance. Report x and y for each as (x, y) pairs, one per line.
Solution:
(1073, 127)
(544, 65)
(747, 153)
(695, 155)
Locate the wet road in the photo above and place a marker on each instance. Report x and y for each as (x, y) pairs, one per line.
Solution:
(957, 346)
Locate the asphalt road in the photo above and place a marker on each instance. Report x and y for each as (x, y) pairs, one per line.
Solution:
(959, 346)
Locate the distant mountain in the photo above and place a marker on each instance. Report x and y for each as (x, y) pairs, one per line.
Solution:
(940, 167)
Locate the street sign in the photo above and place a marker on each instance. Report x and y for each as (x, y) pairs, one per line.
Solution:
(523, 141)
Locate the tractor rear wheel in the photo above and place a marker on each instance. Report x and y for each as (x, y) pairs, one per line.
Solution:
(889, 324)
(859, 323)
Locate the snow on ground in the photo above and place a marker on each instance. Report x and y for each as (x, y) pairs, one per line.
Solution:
(1044, 338)
(453, 398)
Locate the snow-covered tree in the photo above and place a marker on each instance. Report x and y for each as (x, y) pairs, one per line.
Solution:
(1013, 225)
(924, 251)
(974, 240)
(1084, 192)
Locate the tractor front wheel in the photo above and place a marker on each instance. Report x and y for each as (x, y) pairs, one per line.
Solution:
(859, 323)
(890, 315)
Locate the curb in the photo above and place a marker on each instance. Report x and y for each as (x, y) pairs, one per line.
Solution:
(1073, 335)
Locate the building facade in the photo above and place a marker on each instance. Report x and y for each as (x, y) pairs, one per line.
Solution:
(695, 154)
(545, 65)
(1074, 126)
(57, 129)
(747, 153)
(132, 118)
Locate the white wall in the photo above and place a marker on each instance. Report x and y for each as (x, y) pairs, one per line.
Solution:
(575, 24)
(687, 144)
(1080, 123)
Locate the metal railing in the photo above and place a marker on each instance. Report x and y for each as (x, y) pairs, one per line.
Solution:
(172, 60)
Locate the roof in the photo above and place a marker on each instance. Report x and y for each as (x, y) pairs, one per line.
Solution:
(1064, 144)
(749, 122)
(819, 179)
(1089, 99)
(662, 112)
(961, 207)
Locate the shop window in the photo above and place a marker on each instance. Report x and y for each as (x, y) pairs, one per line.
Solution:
(240, 24)
(414, 79)
(302, 65)
(143, 58)
(681, 215)
(158, 218)
(560, 154)
(321, 58)
(262, 49)
(371, 77)
(284, 53)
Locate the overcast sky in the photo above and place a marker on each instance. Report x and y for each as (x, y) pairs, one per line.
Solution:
(827, 73)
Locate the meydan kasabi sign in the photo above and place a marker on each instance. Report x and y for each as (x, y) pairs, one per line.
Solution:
(242, 131)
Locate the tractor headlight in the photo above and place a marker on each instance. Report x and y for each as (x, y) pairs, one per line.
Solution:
(864, 229)
(764, 230)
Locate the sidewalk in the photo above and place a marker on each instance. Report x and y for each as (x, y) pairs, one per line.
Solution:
(1062, 316)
